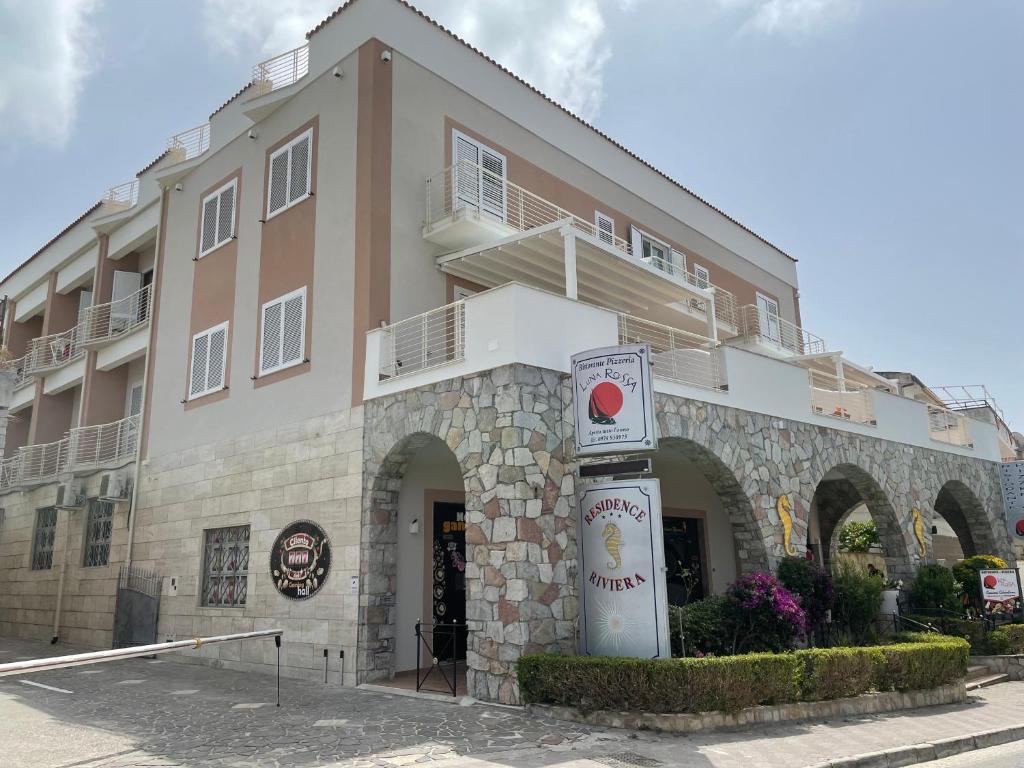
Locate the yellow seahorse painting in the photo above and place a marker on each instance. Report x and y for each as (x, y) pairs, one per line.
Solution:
(915, 515)
(785, 509)
(612, 542)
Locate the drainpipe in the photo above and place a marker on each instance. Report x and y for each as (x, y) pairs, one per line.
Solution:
(60, 582)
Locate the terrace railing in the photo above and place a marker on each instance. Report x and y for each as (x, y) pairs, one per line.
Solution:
(16, 366)
(948, 426)
(125, 195)
(425, 341)
(280, 71)
(189, 144)
(53, 351)
(680, 356)
(755, 323)
(105, 322)
(841, 399)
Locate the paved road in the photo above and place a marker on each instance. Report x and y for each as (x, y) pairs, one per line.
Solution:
(141, 713)
(1005, 756)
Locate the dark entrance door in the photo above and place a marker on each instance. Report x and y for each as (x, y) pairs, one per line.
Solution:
(137, 607)
(448, 573)
(684, 537)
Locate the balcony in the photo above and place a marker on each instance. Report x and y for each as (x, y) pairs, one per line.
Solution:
(81, 450)
(48, 353)
(123, 196)
(189, 144)
(280, 71)
(16, 367)
(515, 323)
(103, 324)
(498, 232)
(775, 335)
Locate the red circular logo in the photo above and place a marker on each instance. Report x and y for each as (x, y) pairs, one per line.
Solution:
(1020, 527)
(990, 582)
(608, 398)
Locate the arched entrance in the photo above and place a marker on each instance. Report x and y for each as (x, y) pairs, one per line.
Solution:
(841, 492)
(417, 575)
(961, 528)
(710, 529)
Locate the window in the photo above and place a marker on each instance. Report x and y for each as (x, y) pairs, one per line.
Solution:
(702, 275)
(657, 253)
(218, 218)
(226, 566)
(42, 541)
(98, 528)
(605, 227)
(283, 331)
(479, 176)
(768, 318)
(290, 174)
(209, 356)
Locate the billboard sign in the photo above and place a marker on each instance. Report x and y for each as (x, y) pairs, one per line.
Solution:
(1000, 586)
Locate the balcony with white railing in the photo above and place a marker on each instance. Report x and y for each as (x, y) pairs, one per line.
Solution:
(499, 232)
(189, 144)
(280, 71)
(81, 450)
(16, 367)
(104, 323)
(48, 353)
(767, 330)
(123, 196)
(519, 324)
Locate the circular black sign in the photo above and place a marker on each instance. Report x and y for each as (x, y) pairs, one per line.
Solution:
(300, 559)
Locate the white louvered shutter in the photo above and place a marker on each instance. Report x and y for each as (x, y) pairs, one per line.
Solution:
(605, 228)
(467, 173)
(299, 176)
(226, 215)
(270, 345)
(209, 237)
(277, 195)
(218, 345)
(135, 401)
(492, 184)
(200, 359)
(293, 329)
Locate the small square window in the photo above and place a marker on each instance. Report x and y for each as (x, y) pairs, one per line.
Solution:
(226, 566)
(42, 540)
(99, 528)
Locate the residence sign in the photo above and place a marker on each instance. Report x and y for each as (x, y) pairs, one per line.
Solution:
(613, 407)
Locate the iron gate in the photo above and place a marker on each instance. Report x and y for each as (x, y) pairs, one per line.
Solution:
(137, 607)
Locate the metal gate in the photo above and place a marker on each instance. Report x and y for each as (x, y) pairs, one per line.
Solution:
(137, 607)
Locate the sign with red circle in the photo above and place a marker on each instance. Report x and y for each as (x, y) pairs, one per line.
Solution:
(612, 401)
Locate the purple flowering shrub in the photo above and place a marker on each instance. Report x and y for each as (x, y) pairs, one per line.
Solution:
(765, 615)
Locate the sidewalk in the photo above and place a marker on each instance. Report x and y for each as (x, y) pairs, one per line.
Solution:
(145, 713)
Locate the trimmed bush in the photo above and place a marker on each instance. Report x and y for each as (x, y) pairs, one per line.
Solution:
(858, 537)
(1007, 639)
(971, 631)
(765, 615)
(934, 587)
(730, 683)
(706, 627)
(812, 584)
(858, 601)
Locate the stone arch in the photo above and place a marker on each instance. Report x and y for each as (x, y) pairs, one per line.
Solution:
(959, 506)
(840, 490)
(753, 553)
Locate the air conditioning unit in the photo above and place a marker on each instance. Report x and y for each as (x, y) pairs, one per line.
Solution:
(70, 494)
(117, 485)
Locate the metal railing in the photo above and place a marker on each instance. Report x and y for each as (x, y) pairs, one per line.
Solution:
(468, 186)
(755, 323)
(445, 651)
(676, 355)
(958, 397)
(426, 341)
(104, 322)
(841, 399)
(280, 71)
(104, 444)
(81, 449)
(948, 426)
(188, 144)
(53, 351)
(17, 367)
(126, 194)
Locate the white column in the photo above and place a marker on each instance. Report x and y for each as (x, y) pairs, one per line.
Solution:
(840, 373)
(712, 320)
(569, 236)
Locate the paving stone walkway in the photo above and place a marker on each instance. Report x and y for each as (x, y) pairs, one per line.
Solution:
(168, 713)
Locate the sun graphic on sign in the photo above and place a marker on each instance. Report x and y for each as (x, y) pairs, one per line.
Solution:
(613, 628)
(605, 402)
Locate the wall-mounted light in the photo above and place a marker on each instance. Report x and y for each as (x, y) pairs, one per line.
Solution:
(414, 527)
(338, 72)
(385, 56)
(179, 187)
(253, 133)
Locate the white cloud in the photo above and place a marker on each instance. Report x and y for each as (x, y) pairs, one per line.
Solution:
(47, 50)
(559, 46)
(792, 17)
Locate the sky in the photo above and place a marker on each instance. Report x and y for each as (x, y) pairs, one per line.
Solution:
(876, 141)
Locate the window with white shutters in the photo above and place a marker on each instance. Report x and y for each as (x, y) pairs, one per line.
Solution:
(218, 218)
(290, 179)
(479, 176)
(283, 332)
(703, 277)
(605, 227)
(209, 355)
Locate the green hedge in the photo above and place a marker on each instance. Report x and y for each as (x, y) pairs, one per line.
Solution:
(972, 631)
(1007, 639)
(731, 683)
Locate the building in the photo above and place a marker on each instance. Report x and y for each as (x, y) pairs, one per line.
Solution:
(351, 299)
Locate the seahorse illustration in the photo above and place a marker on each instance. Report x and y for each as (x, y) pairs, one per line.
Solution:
(612, 540)
(785, 510)
(915, 515)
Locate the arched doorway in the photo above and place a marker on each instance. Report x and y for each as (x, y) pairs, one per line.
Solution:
(710, 529)
(961, 527)
(416, 546)
(843, 492)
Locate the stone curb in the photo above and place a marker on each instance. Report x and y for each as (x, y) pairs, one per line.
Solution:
(932, 750)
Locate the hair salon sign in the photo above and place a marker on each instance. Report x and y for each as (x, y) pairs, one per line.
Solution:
(622, 567)
(613, 408)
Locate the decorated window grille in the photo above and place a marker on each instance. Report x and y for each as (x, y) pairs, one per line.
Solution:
(98, 530)
(42, 540)
(226, 566)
